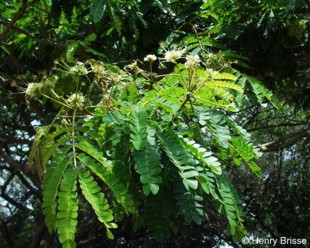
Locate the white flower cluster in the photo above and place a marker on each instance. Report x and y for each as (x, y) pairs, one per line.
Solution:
(98, 70)
(173, 56)
(76, 101)
(150, 58)
(211, 72)
(134, 67)
(192, 61)
(34, 90)
(79, 69)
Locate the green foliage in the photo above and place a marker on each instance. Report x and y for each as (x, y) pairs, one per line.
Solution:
(138, 126)
(143, 137)
(67, 209)
(261, 92)
(97, 200)
(97, 9)
(120, 192)
(190, 204)
(50, 187)
(148, 165)
(201, 154)
(231, 205)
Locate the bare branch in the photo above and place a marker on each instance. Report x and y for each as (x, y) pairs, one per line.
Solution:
(39, 233)
(9, 199)
(28, 185)
(285, 141)
(15, 166)
(6, 234)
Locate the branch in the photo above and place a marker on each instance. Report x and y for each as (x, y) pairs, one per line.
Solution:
(264, 127)
(285, 141)
(9, 199)
(19, 30)
(38, 235)
(28, 185)
(15, 140)
(16, 17)
(6, 234)
(15, 166)
(59, 46)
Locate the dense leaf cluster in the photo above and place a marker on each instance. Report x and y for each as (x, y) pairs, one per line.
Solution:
(147, 138)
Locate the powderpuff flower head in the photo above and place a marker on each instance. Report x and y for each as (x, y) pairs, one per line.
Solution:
(192, 61)
(79, 69)
(173, 56)
(98, 70)
(150, 58)
(34, 90)
(76, 101)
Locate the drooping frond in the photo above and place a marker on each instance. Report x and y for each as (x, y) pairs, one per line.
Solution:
(168, 98)
(50, 146)
(36, 144)
(230, 204)
(239, 129)
(216, 124)
(87, 147)
(201, 154)
(97, 9)
(45, 144)
(225, 76)
(226, 200)
(148, 165)
(97, 200)
(66, 221)
(261, 92)
(190, 204)
(179, 157)
(114, 117)
(246, 152)
(50, 188)
(243, 149)
(120, 155)
(102, 171)
(208, 182)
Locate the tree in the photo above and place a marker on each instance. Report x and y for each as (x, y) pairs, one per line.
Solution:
(170, 128)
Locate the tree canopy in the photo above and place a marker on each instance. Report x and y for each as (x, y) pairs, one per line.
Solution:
(153, 123)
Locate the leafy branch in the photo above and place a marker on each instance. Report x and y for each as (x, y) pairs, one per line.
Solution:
(140, 142)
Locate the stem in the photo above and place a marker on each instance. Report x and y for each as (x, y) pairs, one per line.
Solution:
(73, 138)
(54, 100)
(183, 79)
(53, 121)
(151, 75)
